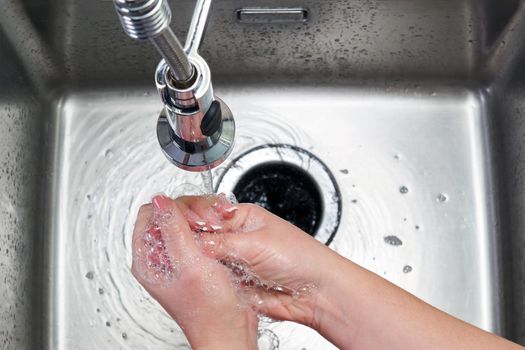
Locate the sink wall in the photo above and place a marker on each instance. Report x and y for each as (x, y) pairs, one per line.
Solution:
(343, 40)
(20, 123)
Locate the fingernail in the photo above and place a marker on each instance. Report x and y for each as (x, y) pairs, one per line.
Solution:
(231, 210)
(160, 202)
(216, 227)
(229, 213)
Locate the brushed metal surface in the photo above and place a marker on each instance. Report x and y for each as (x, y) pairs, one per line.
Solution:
(410, 165)
(437, 83)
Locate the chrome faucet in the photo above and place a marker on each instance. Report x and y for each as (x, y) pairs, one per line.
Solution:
(195, 130)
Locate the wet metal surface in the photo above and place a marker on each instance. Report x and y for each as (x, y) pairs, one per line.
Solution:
(108, 164)
(420, 119)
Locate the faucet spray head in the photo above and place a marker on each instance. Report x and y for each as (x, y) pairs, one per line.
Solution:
(195, 130)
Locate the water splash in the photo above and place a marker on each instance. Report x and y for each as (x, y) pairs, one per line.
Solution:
(268, 340)
(151, 258)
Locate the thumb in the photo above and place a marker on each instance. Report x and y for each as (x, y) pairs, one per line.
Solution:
(220, 246)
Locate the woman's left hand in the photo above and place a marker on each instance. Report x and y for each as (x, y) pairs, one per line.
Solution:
(195, 289)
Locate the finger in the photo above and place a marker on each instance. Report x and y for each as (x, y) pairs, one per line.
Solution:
(225, 207)
(139, 249)
(210, 210)
(229, 245)
(248, 218)
(174, 228)
(218, 214)
(144, 220)
(199, 212)
(234, 219)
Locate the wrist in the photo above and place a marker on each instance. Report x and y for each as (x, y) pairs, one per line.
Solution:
(335, 302)
(227, 337)
(230, 345)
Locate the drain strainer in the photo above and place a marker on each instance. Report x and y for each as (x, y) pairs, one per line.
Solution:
(290, 182)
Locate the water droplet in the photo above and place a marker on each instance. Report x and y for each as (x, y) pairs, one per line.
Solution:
(403, 190)
(124, 335)
(397, 157)
(265, 320)
(101, 291)
(417, 227)
(354, 201)
(90, 275)
(407, 269)
(344, 171)
(267, 339)
(441, 198)
(108, 153)
(393, 240)
(108, 324)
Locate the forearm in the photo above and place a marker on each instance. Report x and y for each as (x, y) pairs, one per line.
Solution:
(238, 341)
(360, 310)
(230, 345)
(235, 329)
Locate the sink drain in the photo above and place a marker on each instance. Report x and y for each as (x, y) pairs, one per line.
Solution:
(291, 183)
(284, 189)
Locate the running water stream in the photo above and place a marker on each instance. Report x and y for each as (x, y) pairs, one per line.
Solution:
(207, 182)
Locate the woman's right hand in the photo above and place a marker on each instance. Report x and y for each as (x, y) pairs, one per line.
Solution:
(274, 250)
(348, 305)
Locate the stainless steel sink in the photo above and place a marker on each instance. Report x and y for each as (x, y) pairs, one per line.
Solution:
(415, 107)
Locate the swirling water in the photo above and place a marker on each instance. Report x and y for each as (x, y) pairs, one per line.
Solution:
(116, 166)
(109, 164)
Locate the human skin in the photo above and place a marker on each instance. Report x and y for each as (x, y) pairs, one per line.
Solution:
(200, 297)
(350, 306)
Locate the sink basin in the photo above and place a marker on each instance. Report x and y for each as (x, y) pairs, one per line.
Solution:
(415, 108)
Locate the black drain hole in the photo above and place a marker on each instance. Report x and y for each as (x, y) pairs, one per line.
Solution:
(285, 190)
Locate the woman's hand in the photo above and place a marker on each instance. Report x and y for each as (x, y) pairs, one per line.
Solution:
(350, 306)
(186, 251)
(195, 289)
(275, 250)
